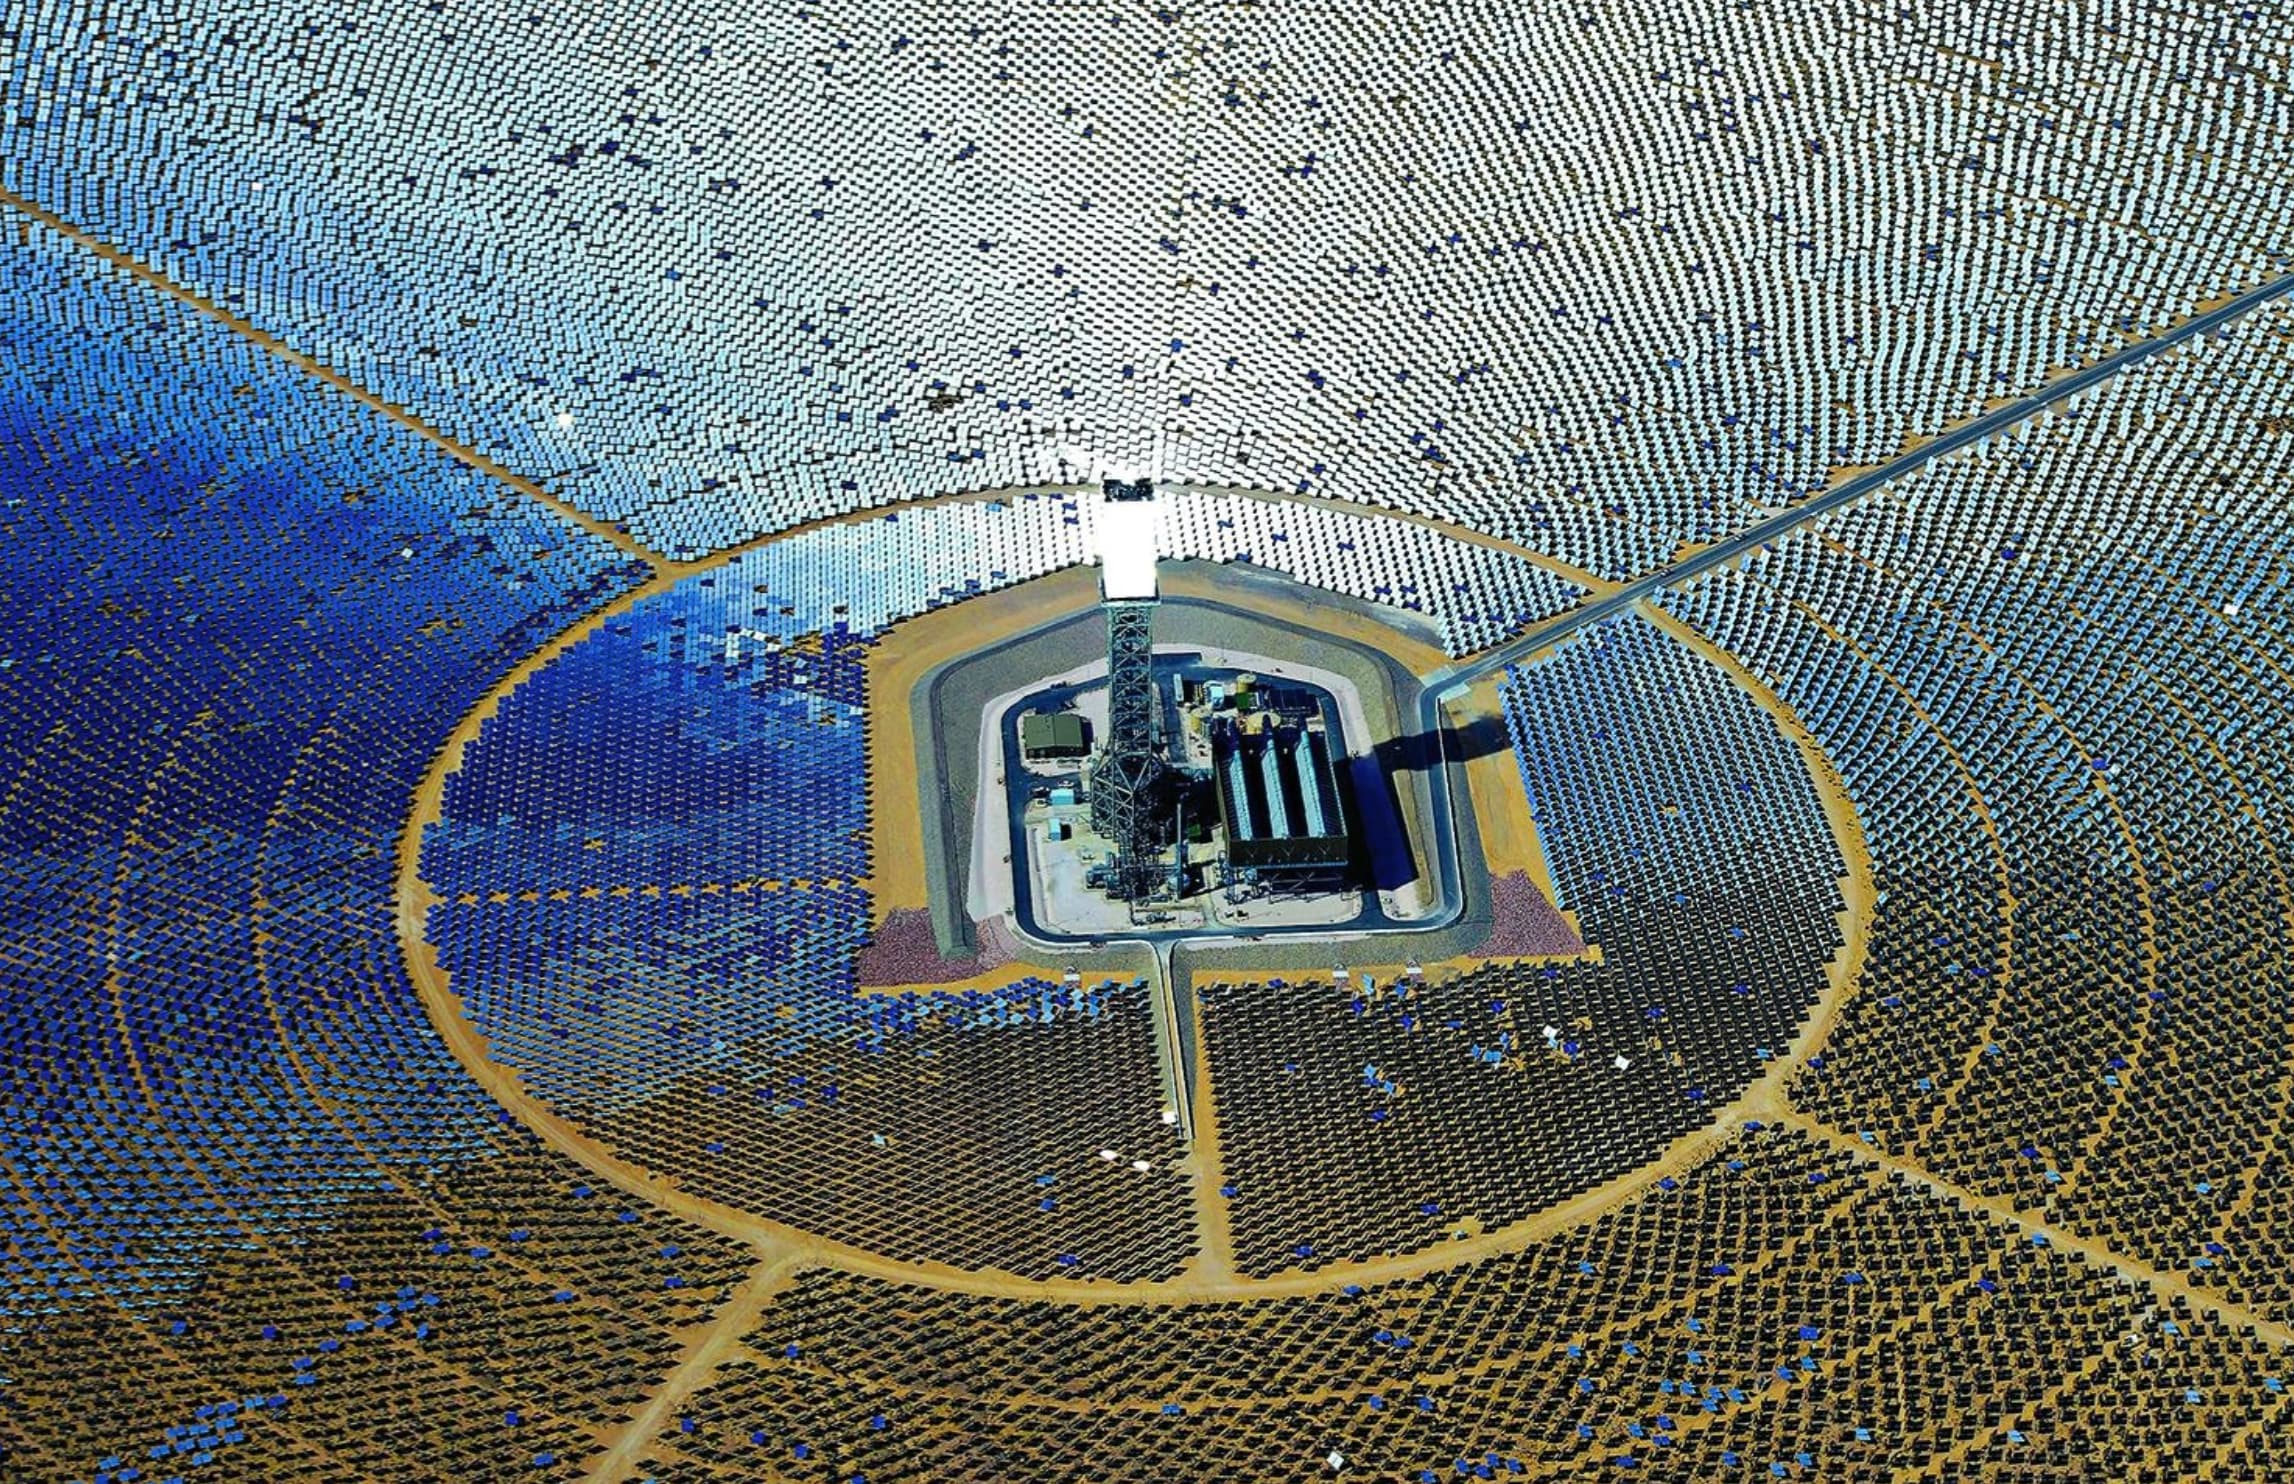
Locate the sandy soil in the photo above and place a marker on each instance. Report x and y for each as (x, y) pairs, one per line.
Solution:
(1510, 842)
(895, 664)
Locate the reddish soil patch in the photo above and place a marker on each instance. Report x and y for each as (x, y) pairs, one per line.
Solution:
(1526, 924)
(902, 954)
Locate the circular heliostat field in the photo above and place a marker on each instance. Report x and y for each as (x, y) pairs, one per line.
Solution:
(531, 948)
(651, 880)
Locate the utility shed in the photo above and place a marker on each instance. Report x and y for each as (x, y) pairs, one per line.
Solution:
(1059, 734)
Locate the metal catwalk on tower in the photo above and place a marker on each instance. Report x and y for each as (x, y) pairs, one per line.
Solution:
(1131, 796)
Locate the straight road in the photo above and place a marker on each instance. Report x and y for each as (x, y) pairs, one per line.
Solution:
(1452, 678)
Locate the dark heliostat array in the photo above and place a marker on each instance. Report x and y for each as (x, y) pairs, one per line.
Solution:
(1600, 283)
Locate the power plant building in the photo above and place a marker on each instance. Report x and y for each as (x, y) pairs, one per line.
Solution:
(1278, 802)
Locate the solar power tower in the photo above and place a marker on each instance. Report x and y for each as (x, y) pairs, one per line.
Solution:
(1130, 783)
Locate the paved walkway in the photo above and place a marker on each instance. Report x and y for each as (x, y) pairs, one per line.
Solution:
(1964, 435)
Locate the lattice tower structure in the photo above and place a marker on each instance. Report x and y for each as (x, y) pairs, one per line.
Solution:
(1131, 797)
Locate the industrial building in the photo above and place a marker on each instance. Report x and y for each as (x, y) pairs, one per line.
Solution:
(1060, 736)
(1279, 805)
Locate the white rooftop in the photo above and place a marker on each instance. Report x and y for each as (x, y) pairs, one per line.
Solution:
(1126, 542)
